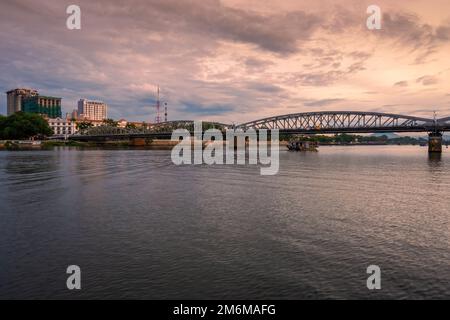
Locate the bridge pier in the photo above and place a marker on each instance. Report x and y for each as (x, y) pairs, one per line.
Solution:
(435, 142)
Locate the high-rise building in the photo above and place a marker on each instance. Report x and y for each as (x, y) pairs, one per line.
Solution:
(73, 115)
(92, 110)
(29, 100)
(46, 106)
(16, 97)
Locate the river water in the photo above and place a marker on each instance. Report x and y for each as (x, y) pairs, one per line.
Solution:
(140, 227)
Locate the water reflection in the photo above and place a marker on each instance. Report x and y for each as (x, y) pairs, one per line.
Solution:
(26, 162)
(435, 158)
(144, 228)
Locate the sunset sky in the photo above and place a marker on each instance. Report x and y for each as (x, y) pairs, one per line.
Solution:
(230, 60)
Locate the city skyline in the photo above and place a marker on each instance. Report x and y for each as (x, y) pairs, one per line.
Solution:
(224, 158)
(231, 60)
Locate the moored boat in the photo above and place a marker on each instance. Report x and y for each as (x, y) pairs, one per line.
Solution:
(302, 146)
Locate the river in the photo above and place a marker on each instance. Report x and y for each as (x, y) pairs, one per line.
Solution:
(140, 227)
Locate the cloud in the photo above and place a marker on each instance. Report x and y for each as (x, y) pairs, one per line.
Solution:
(278, 33)
(323, 102)
(264, 87)
(401, 84)
(228, 60)
(324, 77)
(407, 29)
(257, 65)
(206, 110)
(427, 80)
(443, 33)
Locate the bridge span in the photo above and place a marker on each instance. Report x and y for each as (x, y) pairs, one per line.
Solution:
(330, 122)
(333, 122)
(326, 122)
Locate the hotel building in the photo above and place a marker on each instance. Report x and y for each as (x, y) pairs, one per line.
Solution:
(92, 110)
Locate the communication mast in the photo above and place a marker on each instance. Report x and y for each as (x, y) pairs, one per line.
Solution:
(158, 109)
(165, 112)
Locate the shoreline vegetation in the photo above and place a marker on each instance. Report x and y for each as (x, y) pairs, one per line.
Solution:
(150, 144)
(50, 144)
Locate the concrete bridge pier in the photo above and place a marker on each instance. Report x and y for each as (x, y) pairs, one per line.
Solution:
(435, 142)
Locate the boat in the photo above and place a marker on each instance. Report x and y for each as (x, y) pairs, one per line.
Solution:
(32, 143)
(302, 146)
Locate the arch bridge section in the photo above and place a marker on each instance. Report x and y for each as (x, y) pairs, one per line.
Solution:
(334, 122)
(331, 122)
(154, 131)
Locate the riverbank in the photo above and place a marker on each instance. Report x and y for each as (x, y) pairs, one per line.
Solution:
(121, 144)
(20, 144)
(151, 144)
(48, 144)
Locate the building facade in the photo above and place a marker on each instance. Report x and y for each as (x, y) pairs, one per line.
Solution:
(73, 115)
(94, 123)
(92, 110)
(122, 123)
(62, 127)
(46, 106)
(16, 97)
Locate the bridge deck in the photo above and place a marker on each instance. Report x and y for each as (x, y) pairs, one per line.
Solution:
(327, 122)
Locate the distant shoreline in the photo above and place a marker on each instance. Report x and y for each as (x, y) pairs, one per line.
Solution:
(12, 145)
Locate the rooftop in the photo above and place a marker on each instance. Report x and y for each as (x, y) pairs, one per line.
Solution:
(21, 89)
(47, 97)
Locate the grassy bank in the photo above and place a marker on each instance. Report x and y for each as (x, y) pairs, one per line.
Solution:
(51, 144)
(12, 145)
(124, 144)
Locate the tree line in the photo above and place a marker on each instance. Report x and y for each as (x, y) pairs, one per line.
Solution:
(22, 126)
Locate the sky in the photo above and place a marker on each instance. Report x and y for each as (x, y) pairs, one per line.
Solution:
(232, 60)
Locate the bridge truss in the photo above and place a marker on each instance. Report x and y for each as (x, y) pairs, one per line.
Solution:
(153, 130)
(330, 122)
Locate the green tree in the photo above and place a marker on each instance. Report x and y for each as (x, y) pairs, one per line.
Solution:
(84, 125)
(130, 126)
(344, 138)
(2, 121)
(22, 125)
(110, 123)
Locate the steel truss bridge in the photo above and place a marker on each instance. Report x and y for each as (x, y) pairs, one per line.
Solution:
(160, 130)
(332, 122)
(327, 122)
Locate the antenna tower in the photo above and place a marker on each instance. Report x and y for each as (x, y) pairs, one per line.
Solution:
(158, 109)
(165, 113)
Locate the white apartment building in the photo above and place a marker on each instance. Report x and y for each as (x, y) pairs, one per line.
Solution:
(62, 127)
(92, 110)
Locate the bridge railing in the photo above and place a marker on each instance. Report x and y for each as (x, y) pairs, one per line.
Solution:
(344, 120)
(165, 127)
(311, 122)
(109, 130)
